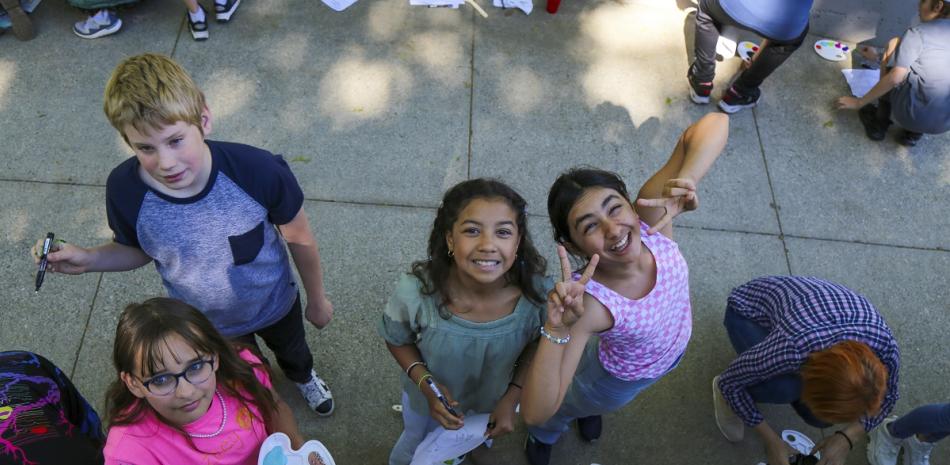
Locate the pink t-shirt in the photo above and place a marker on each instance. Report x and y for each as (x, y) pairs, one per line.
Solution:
(650, 333)
(151, 442)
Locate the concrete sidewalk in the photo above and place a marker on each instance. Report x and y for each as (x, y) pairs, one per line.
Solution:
(381, 107)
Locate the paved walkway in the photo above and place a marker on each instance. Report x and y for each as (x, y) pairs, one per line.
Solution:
(382, 107)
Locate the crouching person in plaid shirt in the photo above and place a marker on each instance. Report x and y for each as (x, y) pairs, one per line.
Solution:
(815, 345)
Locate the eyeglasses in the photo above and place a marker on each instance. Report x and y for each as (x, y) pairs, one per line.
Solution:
(196, 373)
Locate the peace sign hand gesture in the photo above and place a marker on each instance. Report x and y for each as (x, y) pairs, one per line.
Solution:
(679, 195)
(566, 300)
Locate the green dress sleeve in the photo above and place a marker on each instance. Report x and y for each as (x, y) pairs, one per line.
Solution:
(400, 322)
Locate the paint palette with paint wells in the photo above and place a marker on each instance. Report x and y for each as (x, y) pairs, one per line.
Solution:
(276, 450)
(746, 50)
(832, 50)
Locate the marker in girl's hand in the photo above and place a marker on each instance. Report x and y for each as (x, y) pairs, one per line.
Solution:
(438, 393)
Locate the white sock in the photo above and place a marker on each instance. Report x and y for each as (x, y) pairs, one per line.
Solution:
(220, 2)
(198, 16)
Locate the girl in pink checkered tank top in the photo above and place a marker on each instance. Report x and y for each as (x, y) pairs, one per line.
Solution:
(633, 292)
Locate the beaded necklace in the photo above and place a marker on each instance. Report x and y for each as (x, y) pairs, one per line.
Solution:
(224, 419)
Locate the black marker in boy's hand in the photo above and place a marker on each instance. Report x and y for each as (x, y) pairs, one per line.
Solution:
(41, 273)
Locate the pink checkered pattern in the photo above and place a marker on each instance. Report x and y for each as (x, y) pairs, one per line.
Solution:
(649, 333)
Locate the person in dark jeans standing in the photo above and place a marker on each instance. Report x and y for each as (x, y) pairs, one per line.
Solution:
(783, 24)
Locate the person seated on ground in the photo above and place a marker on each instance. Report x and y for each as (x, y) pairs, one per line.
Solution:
(815, 345)
(784, 25)
(914, 89)
(105, 21)
(915, 432)
(43, 418)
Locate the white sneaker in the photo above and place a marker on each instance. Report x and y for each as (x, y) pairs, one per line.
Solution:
(317, 394)
(883, 448)
(916, 452)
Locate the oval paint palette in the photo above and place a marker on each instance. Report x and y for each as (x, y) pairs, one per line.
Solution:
(832, 50)
(747, 50)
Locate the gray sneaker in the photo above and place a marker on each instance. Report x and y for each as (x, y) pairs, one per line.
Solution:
(729, 424)
(916, 452)
(317, 394)
(883, 448)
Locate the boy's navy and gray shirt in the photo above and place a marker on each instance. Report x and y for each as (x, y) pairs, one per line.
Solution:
(218, 250)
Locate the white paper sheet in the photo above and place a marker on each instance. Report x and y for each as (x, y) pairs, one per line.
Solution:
(861, 80)
(442, 444)
(339, 5)
(524, 5)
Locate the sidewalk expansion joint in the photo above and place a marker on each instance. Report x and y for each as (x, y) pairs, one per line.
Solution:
(52, 183)
(471, 99)
(775, 205)
(367, 203)
(85, 327)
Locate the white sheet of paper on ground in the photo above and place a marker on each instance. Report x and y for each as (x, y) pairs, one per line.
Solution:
(726, 46)
(339, 5)
(276, 450)
(861, 80)
(831, 50)
(442, 445)
(437, 3)
(524, 5)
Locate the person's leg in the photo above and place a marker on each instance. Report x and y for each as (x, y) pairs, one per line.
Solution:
(743, 332)
(930, 423)
(767, 60)
(288, 340)
(708, 23)
(416, 426)
(197, 20)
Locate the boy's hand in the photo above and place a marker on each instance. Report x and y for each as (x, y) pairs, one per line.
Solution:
(848, 103)
(777, 452)
(679, 195)
(319, 312)
(63, 258)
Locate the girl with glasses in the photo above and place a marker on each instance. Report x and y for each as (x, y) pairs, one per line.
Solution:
(184, 394)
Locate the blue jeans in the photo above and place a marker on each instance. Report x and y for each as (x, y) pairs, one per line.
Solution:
(415, 427)
(783, 389)
(931, 422)
(592, 392)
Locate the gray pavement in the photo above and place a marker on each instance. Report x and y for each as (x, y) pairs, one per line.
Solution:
(383, 106)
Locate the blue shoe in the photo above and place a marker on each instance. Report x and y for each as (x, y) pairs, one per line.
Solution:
(101, 24)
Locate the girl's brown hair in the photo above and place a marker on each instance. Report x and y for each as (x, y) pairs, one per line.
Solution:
(139, 339)
(844, 382)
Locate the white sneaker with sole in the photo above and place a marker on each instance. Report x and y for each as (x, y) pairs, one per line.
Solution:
(916, 452)
(729, 424)
(317, 394)
(883, 448)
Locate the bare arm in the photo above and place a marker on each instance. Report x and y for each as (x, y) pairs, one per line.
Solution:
(72, 259)
(408, 354)
(284, 422)
(306, 254)
(673, 188)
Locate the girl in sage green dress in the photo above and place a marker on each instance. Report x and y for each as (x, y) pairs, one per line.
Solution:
(462, 318)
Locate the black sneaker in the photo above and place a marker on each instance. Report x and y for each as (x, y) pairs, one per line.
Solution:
(223, 12)
(733, 101)
(698, 91)
(199, 29)
(909, 138)
(590, 427)
(872, 126)
(538, 452)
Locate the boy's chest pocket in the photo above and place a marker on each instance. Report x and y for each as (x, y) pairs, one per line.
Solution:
(245, 247)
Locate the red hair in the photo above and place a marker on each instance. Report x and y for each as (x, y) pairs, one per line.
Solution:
(843, 382)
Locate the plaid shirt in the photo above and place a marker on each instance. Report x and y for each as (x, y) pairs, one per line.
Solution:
(803, 315)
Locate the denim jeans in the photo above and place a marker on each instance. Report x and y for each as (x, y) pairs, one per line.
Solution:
(415, 427)
(931, 422)
(592, 392)
(710, 18)
(782, 389)
(288, 339)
